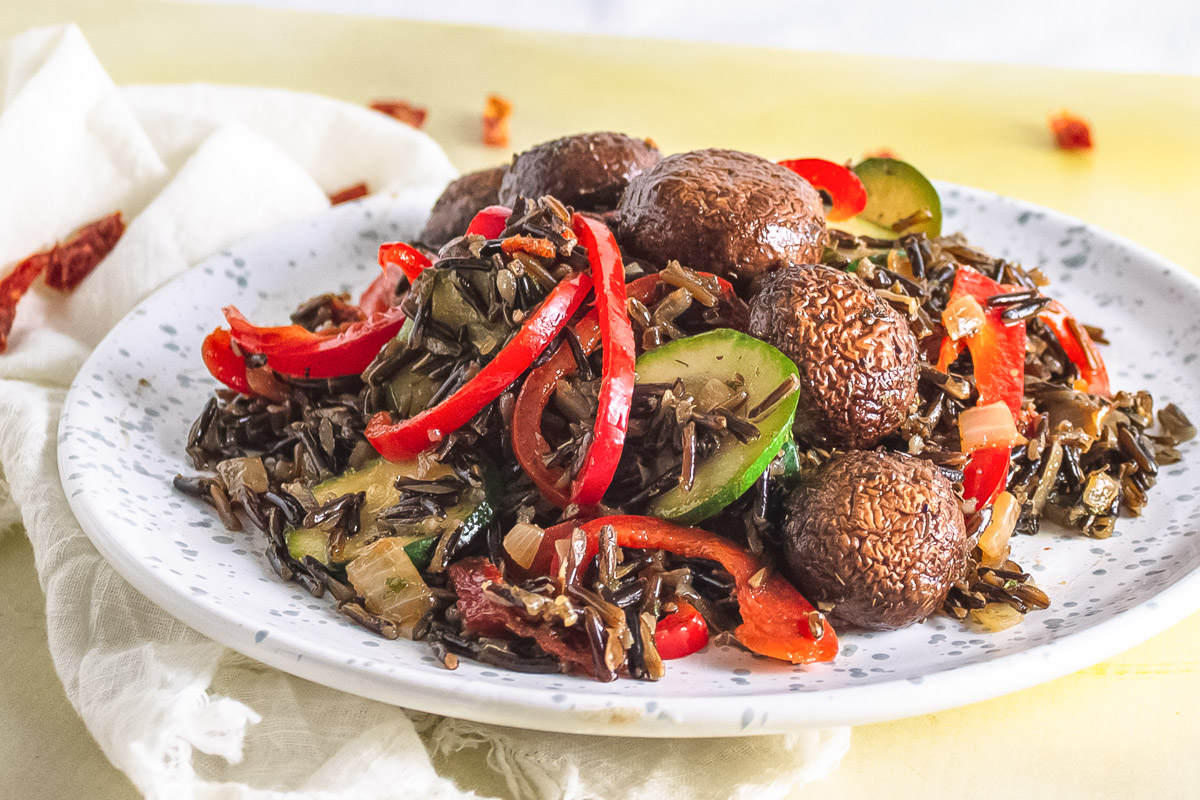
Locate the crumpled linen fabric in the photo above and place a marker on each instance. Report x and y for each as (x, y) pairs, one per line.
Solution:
(195, 168)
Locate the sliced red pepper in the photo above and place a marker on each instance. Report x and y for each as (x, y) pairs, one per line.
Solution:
(292, 350)
(845, 190)
(986, 475)
(377, 297)
(407, 257)
(397, 441)
(997, 349)
(490, 222)
(998, 356)
(225, 365)
(1078, 345)
(680, 633)
(529, 445)
(619, 355)
(774, 615)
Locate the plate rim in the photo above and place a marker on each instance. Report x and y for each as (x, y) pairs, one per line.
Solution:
(692, 716)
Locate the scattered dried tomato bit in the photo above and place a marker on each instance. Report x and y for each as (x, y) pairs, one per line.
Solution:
(542, 248)
(496, 113)
(64, 265)
(1071, 132)
(74, 259)
(403, 111)
(349, 193)
(13, 287)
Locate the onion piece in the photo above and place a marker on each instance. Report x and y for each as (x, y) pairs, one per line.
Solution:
(390, 585)
(993, 542)
(988, 426)
(996, 617)
(522, 543)
(963, 316)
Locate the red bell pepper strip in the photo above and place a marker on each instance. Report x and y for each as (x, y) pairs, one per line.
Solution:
(680, 633)
(844, 188)
(997, 349)
(293, 350)
(224, 364)
(528, 443)
(1078, 345)
(490, 222)
(376, 297)
(397, 441)
(407, 257)
(985, 475)
(998, 355)
(617, 371)
(774, 614)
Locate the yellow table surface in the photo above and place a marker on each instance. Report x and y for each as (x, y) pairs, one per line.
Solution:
(1125, 728)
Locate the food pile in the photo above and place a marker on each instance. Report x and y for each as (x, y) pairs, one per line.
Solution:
(611, 405)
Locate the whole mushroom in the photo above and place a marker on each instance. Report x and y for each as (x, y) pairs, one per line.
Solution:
(458, 204)
(877, 538)
(722, 211)
(858, 359)
(587, 171)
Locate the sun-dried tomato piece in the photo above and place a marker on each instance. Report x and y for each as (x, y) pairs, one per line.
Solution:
(403, 111)
(1071, 132)
(74, 259)
(13, 287)
(486, 618)
(349, 193)
(542, 248)
(496, 112)
(64, 266)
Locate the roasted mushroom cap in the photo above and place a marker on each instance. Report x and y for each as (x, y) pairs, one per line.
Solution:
(857, 356)
(587, 171)
(734, 214)
(458, 204)
(878, 536)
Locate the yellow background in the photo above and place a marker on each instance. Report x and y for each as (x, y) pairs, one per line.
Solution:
(1123, 729)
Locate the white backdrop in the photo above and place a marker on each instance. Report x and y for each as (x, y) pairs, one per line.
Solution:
(1139, 36)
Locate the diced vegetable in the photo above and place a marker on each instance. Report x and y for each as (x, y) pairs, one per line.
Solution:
(313, 542)
(989, 425)
(390, 585)
(522, 543)
(681, 633)
(993, 542)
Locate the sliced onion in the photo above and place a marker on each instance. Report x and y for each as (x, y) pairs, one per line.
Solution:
(997, 616)
(963, 317)
(522, 543)
(993, 542)
(389, 583)
(988, 426)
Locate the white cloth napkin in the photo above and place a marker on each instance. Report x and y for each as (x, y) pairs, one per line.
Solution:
(195, 168)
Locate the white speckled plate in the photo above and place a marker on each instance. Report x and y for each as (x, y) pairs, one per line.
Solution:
(126, 420)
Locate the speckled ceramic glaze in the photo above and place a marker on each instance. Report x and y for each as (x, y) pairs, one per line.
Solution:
(127, 416)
